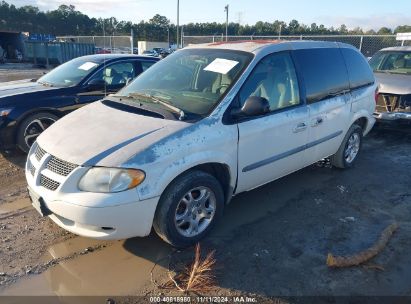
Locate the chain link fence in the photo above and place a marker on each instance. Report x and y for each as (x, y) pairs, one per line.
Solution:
(112, 44)
(367, 44)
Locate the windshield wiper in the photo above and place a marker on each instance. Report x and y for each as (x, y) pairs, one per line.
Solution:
(157, 100)
(47, 84)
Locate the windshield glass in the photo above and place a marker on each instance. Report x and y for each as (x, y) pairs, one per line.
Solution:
(192, 80)
(398, 62)
(69, 73)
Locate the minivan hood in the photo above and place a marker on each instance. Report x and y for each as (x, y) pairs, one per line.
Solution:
(99, 135)
(393, 83)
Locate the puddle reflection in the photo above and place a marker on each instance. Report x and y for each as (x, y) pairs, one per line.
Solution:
(119, 269)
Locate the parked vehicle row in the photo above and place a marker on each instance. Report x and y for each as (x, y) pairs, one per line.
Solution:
(29, 107)
(208, 122)
(158, 52)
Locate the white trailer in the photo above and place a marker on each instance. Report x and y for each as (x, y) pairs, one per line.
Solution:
(149, 45)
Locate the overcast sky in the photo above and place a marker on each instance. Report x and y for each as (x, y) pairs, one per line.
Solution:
(364, 13)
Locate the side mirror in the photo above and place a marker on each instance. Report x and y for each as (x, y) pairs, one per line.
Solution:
(253, 106)
(96, 84)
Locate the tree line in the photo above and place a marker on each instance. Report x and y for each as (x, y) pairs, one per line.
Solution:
(66, 20)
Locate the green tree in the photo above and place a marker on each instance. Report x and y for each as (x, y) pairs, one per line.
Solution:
(403, 29)
(384, 31)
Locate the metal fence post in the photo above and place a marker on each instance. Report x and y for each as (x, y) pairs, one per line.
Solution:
(47, 55)
(34, 53)
(361, 41)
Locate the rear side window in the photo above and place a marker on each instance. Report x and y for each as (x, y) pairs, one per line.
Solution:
(359, 71)
(324, 72)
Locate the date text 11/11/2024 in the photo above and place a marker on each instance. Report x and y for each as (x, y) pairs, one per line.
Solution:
(202, 299)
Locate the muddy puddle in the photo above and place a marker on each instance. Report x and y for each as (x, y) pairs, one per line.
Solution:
(121, 268)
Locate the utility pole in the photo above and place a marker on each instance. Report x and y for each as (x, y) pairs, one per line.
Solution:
(226, 23)
(182, 36)
(279, 32)
(178, 23)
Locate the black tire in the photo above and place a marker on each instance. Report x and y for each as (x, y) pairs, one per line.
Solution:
(338, 159)
(164, 220)
(29, 125)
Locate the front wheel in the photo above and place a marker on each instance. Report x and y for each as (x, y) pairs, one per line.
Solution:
(189, 208)
(32, 127)
(350, 148)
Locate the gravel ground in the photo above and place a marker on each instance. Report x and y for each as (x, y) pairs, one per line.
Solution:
(18, 71)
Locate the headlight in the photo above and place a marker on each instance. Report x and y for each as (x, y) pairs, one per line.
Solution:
(109, 180)
(5, 112)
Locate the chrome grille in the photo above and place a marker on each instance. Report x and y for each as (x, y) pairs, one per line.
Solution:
(48, 183)
(39, 153)
(60, 167)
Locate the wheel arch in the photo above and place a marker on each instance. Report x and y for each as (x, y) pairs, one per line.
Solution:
(31, 112)
(364, 120)
(220, 171)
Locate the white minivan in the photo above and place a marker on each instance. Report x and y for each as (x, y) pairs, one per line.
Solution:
(171, 149)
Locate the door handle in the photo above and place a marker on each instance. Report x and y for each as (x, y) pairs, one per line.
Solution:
(317, 121)
(300, 127)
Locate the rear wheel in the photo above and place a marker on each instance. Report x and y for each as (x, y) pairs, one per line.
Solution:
(189, 208)
(32, 127)
(350, 148)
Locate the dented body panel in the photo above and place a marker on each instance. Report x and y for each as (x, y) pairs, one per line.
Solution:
(392, 69)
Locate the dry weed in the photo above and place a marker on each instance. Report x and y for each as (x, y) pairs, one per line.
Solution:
(196, 277)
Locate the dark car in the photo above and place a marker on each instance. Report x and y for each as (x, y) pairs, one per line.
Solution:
(29, 107)
(150, 53)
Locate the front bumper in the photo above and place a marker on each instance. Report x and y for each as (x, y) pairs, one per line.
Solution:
(7, 134)
(106, 216)
(107, 223)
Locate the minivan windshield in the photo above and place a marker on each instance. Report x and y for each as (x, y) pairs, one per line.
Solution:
(397, 62)
(192, 80)
(69, 73)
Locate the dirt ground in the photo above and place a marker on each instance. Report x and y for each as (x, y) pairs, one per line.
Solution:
(18, 71)
(272, 241)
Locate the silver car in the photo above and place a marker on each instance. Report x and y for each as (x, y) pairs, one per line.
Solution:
(392, 69)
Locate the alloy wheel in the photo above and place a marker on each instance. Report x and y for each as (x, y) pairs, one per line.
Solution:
(35, 128)
(353, 146)
(195, 211)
